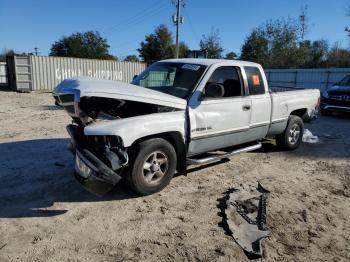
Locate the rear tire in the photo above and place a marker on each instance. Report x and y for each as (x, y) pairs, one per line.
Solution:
(291, 138)
(152, 166)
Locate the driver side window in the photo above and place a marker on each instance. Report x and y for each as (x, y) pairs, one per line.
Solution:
(224, 82)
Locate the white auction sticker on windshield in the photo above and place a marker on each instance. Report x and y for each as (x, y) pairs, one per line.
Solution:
(191, 67)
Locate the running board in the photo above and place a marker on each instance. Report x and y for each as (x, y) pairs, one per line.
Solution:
(210, 159)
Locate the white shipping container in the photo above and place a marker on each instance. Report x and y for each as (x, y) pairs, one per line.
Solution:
(43, 73)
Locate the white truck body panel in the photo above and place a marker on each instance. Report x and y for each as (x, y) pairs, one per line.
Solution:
(284, 103)
(132, 128)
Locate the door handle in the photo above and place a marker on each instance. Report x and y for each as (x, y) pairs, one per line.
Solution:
(246, 107)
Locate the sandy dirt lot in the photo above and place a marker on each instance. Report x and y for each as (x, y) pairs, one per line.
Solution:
(46, 216)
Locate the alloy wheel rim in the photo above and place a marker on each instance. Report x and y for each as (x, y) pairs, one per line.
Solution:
(294, 134)
(155, 167)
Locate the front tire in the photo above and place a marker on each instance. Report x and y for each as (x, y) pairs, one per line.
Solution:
(153, 166)
(291, 138)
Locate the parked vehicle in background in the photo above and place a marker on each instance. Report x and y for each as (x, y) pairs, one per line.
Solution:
(336, 98)
(176, 113)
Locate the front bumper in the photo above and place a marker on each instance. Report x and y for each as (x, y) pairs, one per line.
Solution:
(93, 174)
(334, 107)
(329, 104)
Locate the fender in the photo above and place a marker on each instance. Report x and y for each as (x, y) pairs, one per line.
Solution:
(132, 128)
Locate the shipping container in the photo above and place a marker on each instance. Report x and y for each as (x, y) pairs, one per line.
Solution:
(3, 74)
(43, 73)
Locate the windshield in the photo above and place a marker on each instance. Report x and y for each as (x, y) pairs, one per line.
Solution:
(177, 79)
(345, 81)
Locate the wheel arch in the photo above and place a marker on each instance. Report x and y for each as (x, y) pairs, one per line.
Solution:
(176, 139)
(302, 113)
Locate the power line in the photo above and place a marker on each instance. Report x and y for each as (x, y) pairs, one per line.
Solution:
(191, 26)
(139, 17)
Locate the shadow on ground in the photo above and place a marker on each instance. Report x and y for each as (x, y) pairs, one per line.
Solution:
(36, 174)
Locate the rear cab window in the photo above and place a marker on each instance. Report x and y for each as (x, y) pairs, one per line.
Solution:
(255, 81)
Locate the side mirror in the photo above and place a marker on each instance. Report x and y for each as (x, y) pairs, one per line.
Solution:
(134, 77)
(214, 91)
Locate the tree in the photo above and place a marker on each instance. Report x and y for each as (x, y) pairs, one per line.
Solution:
(6, 52)
(275, 44)
(131, 58)
(183, 50)
(315, 53)
(157, 46)
(256, 48)
(338, 57)
(83, 45)
(231, 56)
(212, 44)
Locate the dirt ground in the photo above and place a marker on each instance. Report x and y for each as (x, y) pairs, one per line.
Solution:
(46, 216)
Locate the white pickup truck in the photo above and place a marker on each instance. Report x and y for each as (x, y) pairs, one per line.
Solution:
(176, 113)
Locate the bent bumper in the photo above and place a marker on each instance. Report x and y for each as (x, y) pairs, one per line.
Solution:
(93, 174)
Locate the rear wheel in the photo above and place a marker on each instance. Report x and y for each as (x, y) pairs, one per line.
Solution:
(153, 166)
(291, 138)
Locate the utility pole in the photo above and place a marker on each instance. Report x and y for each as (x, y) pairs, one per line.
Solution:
(303, 20)
(177, 21)
(177, 28)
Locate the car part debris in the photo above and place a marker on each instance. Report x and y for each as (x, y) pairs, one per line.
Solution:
(308, 137)
(246, 217)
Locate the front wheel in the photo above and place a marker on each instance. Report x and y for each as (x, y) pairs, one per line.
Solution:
(153, 166)
(291, 138)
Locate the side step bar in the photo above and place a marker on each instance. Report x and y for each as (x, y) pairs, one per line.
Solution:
(210, 159)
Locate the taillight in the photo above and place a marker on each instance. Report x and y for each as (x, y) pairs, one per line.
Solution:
(318, 103)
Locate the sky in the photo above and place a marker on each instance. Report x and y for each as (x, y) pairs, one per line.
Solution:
(26, 24)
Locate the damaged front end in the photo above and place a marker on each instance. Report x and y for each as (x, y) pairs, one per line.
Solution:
(101, 156)
(99, 160)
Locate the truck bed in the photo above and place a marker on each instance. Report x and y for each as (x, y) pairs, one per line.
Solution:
(275, 89)
(287, 101)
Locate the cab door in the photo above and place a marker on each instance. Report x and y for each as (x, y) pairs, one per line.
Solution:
(220, 112)
(261, 102)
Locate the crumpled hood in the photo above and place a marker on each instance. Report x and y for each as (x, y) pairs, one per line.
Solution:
(87, 86)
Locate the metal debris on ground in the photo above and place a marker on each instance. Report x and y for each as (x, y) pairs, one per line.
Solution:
(246, 217)
(308, 137)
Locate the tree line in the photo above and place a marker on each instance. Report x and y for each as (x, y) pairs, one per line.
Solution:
(277, 43)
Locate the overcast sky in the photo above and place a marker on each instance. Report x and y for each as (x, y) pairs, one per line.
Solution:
(29, 23)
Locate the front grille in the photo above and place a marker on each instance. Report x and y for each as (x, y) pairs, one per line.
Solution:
(336, 102)
(67, 101)
(67, 98)
(336, 97)
(70, 109)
